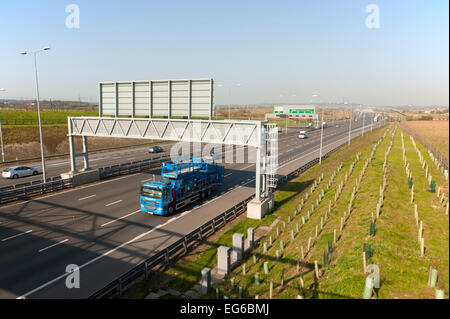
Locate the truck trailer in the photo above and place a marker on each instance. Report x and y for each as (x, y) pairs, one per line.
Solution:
(182, 183)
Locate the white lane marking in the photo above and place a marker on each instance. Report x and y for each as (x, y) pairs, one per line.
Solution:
(62, 241)
(186, 212)
(57, 164)
(87, 197)
(114, 220)
(247, 166)
(113, 203)
(97, 159)
(8, 238)
(228, 174)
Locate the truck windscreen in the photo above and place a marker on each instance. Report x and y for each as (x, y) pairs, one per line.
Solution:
(152, 192)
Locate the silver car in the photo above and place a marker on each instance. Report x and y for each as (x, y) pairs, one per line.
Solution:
(19, 171)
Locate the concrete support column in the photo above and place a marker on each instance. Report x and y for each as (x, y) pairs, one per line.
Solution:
(86, 153)
(206, 280)
(258, 164)
(223, 260)
(238, 246)
(73, 165)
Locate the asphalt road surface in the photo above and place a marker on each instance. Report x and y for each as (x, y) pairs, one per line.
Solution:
(99, 227)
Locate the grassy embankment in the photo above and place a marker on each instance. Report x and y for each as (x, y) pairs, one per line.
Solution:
(394, 247)
(20, 118)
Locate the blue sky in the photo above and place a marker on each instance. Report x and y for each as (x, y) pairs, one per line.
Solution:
(278, 51)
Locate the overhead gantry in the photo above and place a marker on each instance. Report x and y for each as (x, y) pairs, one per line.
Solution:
(262, 136)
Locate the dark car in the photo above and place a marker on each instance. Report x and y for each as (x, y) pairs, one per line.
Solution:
(155, 149)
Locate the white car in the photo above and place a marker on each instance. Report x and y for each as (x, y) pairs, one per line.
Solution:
(19, 171)
(302, 136)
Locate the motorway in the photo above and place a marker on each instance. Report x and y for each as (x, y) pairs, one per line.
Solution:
(99, 227)
(55, 167)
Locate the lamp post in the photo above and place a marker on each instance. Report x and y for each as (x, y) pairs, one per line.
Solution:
(364, 114)
(229, 96)
(321, 138)
(38, 107)
(1, 133)
(350, 126)
(317, 119)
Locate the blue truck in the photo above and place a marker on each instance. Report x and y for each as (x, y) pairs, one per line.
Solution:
(182, 183)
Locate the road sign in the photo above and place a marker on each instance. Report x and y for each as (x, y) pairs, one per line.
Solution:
(192, 98)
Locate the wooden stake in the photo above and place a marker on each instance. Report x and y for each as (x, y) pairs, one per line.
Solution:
(271, 289)
(420, 230)
(422, 247)
(364, 262)
(316, 269)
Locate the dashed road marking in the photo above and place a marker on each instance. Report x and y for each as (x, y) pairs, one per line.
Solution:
(51, 246)
(113, 203)
(8, 238)
(87, 197)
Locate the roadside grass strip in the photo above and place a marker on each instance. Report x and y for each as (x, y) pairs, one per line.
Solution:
(292, 260)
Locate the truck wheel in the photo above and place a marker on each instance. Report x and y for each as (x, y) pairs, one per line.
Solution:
(170, 210)
(202, 195)
(209, 192)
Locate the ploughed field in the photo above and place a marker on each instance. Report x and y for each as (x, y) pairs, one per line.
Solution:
(436, 132)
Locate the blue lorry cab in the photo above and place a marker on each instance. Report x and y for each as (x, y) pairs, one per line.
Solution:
(182, 183)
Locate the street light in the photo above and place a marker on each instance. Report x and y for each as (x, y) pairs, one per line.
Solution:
(229, 95)
(350, 125)
(1, 133)
(321, 137)
(317, 121)
(364, 114)
(38, 106)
